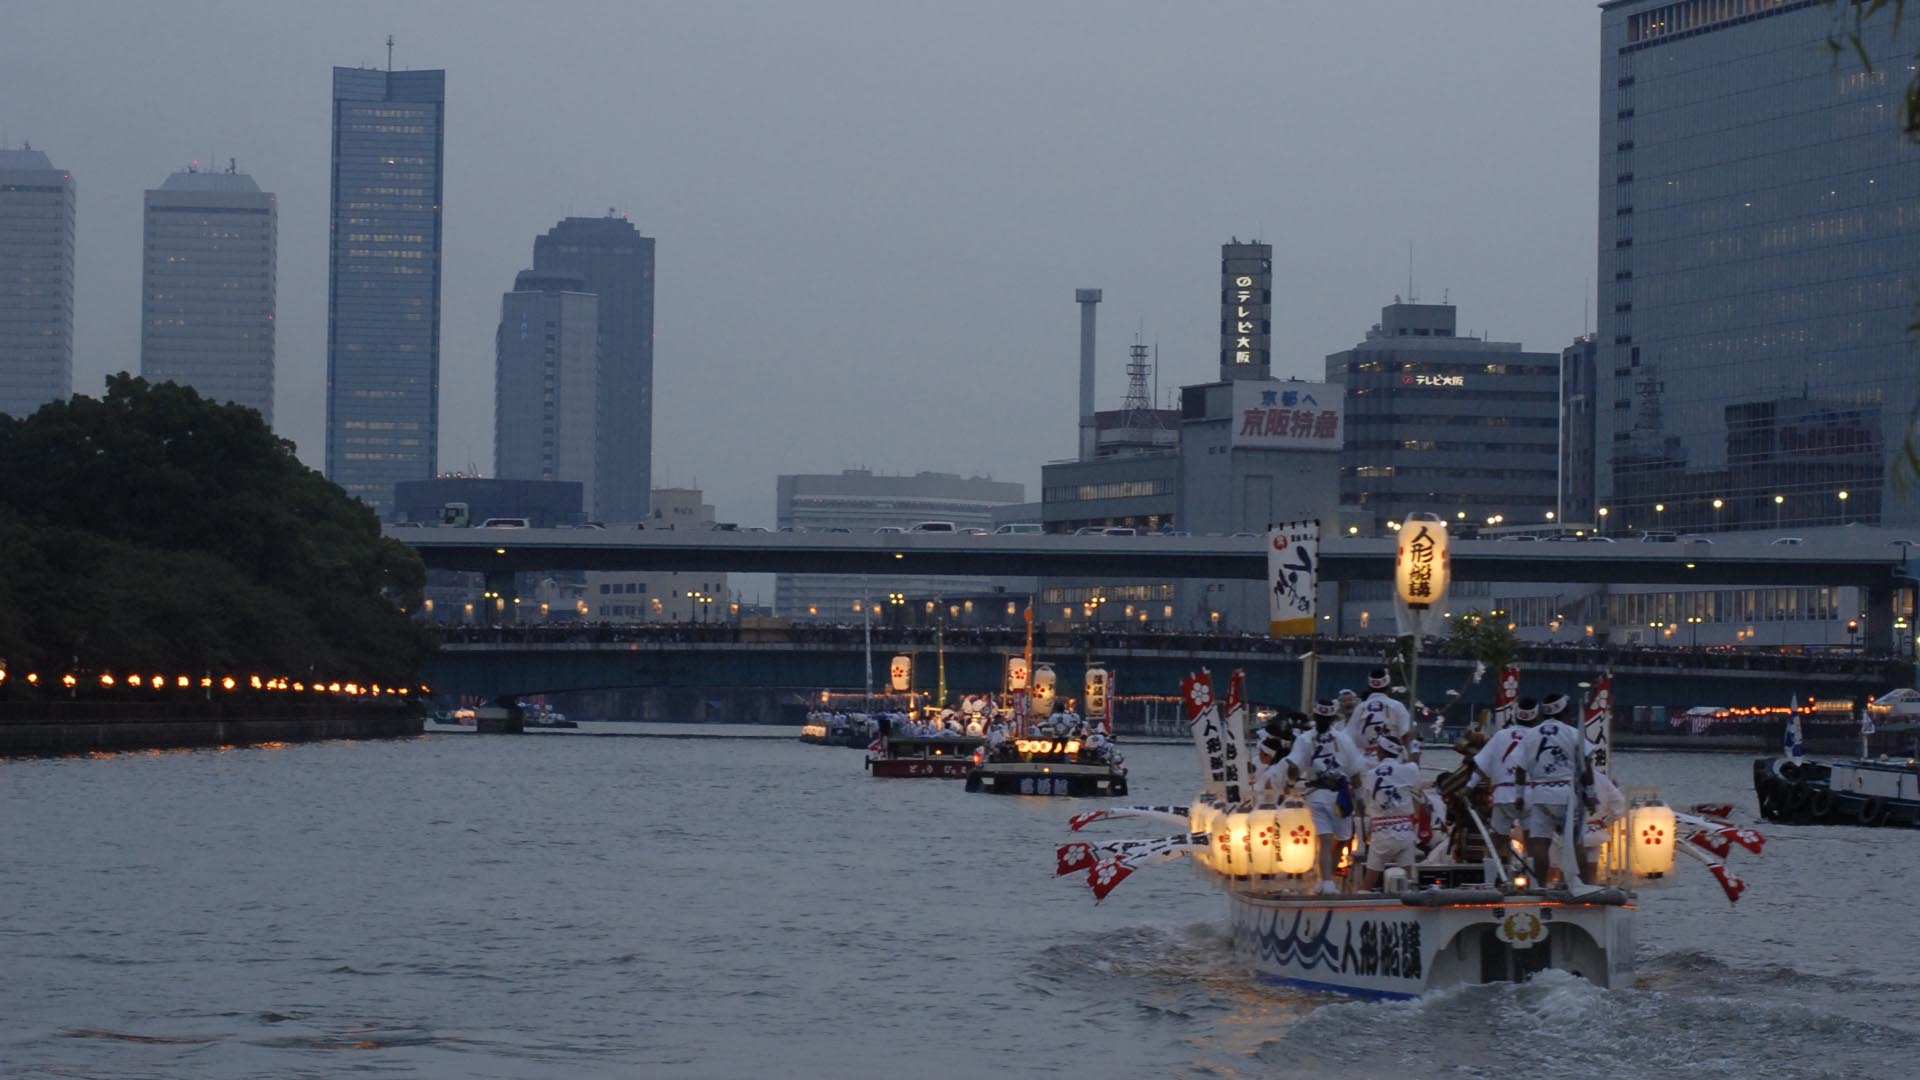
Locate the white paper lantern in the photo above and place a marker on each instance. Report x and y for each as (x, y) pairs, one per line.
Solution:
(1651, 834)
(1297, 848)
(1421, 567)
(1263, 840)
(901, 672)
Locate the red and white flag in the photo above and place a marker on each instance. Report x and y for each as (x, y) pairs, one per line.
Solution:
(1177, 814)
(1747, 838)
(1071, 857)
(1104, 877)
(1713, 810)
(1733, 885)
(1714, 841)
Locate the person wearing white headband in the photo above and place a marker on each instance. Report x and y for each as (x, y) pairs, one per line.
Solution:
(1392, 790)
(1325, 761)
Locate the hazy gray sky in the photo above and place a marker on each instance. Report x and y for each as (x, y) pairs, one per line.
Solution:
(871, 216)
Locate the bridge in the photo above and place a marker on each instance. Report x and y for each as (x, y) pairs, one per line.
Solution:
(1873, 559)
(675, 677)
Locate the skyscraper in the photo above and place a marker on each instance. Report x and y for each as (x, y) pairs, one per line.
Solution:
(1759, 219)
(383, 285)
(207, 287)
(1246, 310)
(615, 263)
(36, 282)
(546, 382)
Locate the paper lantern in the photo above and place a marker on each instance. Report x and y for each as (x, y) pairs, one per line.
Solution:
(1297, 848)
(1230, 829)
(1263, 840)
(1041, 703)
(902, 672)
(1421, 569)
(1016, 674)
(1096, 700)
(1200, 814)
(1650, 838)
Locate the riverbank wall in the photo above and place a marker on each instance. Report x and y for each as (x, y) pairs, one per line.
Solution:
(51, 728)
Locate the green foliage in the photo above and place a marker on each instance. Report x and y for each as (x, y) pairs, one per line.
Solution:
(153, 528)
(1485, 638)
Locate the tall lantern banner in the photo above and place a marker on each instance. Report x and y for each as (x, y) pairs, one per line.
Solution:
(1016, 674)
(1597, 722)
(1505, 693)
(1203, 721)
(1293, 575)
(1237, 740)
(1099, 700)
(901, 672)
(1421, 569)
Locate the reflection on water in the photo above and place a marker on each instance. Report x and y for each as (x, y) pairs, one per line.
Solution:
(564, 906)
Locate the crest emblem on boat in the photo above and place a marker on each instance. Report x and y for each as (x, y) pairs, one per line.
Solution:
(1521, 929)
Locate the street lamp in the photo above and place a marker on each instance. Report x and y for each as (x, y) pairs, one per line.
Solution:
(1853, 628)
(1778, 501)
(1693, 629)
(1603, 521)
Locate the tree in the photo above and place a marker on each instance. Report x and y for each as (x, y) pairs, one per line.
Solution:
(151, 527)
(1484, 638)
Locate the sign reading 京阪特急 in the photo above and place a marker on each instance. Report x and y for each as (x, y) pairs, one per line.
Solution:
(1288, 415)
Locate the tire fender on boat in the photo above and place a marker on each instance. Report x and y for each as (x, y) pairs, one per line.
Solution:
(1820, 802)
(1798, 795)
(1872, 811)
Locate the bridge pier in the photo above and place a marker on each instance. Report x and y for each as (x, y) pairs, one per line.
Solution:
(500, 593)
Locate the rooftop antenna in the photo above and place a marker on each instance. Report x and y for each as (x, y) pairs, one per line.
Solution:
(389, 54)
(1585, 284)
(1412, 297)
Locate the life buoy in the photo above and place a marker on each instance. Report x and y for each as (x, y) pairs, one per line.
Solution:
(1871, 811)
(1820, 802)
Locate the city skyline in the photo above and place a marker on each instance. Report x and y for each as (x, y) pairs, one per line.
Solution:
(866, 302)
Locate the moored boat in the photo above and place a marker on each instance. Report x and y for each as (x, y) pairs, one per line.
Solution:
(1050, 765)
(1865, 790)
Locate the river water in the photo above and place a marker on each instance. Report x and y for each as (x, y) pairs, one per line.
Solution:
(565, 906)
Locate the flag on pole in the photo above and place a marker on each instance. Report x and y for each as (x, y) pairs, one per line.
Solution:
(1791, 742)
(1293, 575)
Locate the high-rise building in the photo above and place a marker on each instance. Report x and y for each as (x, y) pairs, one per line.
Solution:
(615, 263)
(859, 500)
(383, 285)
(545, 381)
(1759, 219)
(207, 287)
(1579, 404)
(1246, 310)
(1438, 423)
(36, 282)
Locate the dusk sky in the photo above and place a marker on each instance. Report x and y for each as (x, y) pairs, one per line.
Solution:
(871, 217)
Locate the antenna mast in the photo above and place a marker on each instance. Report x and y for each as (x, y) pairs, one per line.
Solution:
(389, 54)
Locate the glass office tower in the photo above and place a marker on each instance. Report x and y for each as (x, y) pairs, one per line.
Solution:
(36, 282)
(383, 285)
(207, 287)
(1759, 239)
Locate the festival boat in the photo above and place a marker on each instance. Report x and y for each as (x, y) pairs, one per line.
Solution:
(1865, 790)
(1050, 765)
(1458, 918)
(943, 757)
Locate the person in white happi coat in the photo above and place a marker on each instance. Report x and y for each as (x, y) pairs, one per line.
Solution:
(1552, 760)
(1496, 761)
(1321, 761)
(1378, 713)
(1609, 806)
(1393, 792)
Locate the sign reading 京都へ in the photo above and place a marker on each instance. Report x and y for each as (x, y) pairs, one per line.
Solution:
(1296, 415)
(1293, 572)
(1421, 571)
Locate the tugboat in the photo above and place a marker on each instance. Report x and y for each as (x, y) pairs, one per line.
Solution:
(943, 756)
(1867, 790)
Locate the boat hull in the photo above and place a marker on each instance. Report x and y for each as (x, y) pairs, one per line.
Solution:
(921, 768)
(1873, 793)
(1020, 778)
(1385, 947)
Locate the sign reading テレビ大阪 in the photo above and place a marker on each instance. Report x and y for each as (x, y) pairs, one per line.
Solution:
(1298, 415)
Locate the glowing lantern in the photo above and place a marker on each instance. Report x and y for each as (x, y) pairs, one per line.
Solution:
(1650, 840)
(1421, 568)
(68, 680)
(226, 683)
(184, 682)
(901, 672)
(1041, 704)
(1230, 841)
(158, 682)
(1016, 674)
(1199, 814)
(1297, 850)
(106, 679)
(1263, 840)
(133, 680)
(1097, 684)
